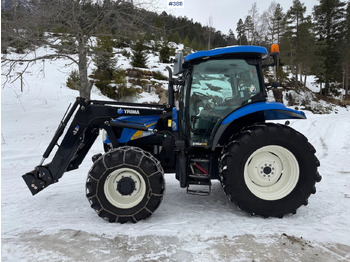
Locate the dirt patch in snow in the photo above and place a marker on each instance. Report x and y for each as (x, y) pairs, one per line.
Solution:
(72, 245)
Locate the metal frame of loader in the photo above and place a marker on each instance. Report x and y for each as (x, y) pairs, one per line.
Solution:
(90, 116)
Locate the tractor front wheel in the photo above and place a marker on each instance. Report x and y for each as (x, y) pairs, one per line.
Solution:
(269, 170)
(125, 184)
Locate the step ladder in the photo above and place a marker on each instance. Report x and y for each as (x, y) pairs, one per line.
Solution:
(199, 188)
(199, 180)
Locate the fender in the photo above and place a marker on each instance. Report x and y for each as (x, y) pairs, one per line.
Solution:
(272, 111)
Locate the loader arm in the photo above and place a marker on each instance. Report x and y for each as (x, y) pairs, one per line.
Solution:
(89, 116)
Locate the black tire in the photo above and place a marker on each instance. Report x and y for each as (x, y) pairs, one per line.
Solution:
(269, 170)
(125, 184)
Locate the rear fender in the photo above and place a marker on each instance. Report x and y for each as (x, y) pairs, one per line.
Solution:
(270, 110)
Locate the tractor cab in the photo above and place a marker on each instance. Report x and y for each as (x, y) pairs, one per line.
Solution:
(216, 83)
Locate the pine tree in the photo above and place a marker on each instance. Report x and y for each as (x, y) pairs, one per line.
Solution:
(240, 29)
(346, 44)
(306, 54)
(294, 18)
(164, 53)
(187, 42)
(139, 57)
(231, 39)
(105, 63)
(174, 37)
(329, 16)
(103, 58)
(177, 38)
(276, 28)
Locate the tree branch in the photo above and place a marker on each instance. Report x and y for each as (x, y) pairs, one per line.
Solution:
(44, 57)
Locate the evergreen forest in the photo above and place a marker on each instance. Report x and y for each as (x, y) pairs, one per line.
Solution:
(316, 44)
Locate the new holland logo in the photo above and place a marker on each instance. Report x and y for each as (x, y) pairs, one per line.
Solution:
(128, 111)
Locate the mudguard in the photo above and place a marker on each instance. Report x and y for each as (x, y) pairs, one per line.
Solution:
(272, 111)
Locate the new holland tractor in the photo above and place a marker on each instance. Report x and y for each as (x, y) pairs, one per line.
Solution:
(220, 127)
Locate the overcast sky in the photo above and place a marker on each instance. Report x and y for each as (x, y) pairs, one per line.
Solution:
(226, 13)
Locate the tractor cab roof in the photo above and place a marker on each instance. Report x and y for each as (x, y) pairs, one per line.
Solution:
(253, 50)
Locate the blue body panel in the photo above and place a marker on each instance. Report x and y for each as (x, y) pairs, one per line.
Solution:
(226, 50)
(272, 110)
(130, 134)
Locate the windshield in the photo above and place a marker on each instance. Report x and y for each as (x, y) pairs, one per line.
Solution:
(218, 88)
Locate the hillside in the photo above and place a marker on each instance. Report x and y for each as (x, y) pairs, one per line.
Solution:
(59, 225)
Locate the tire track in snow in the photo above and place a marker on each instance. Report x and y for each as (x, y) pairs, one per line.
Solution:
(325, 147)
(76, 245)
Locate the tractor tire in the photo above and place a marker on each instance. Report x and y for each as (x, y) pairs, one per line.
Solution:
(125, 184)
(269, 170)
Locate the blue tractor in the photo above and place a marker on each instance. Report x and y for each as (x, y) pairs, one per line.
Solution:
(216, 125)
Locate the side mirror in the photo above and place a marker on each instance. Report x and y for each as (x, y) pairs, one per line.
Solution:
(179, 57)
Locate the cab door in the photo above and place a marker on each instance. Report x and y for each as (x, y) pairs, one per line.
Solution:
(217, 88)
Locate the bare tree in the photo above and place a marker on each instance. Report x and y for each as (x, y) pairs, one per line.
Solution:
(210, 30)
(75, 23)
(267, 26)
(255, 17)
(249, 29)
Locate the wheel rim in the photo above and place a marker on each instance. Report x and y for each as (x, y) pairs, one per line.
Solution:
(271, 172)
(125, 188)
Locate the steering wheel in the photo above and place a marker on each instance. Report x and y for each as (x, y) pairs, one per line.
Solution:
(200, 95)
(234, 101)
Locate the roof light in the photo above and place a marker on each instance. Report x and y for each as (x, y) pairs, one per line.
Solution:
(275, 49)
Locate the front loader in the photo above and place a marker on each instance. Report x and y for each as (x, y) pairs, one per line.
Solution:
(220, 127)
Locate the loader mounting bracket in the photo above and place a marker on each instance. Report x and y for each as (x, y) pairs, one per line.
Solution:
(38, 179)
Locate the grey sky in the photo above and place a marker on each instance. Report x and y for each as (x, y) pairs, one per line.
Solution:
(226, 13)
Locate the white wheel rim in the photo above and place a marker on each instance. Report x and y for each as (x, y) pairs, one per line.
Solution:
(115, 197)
(271, 172)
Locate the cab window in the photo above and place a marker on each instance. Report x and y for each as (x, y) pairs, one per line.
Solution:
(218, 87)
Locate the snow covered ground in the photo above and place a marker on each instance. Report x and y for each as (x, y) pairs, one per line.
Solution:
(58, 224)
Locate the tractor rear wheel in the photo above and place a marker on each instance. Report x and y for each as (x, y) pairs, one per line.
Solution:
(269, 170)
(125, 184)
